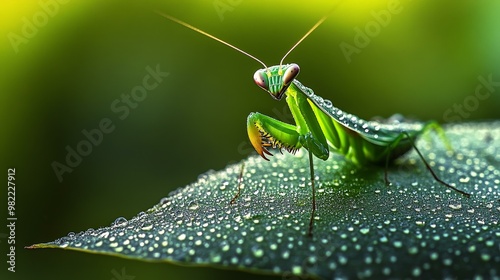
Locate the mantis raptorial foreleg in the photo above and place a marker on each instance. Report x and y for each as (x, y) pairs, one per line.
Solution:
(265, 131)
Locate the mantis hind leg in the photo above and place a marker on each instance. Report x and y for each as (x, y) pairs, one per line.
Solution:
(434, 126)
(429, 126)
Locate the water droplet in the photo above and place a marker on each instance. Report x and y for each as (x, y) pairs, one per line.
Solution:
(386, 271)
(104, 234)
(464, 179)
(485, 257)
(225, 246)
(472, 248)
(285, 255)
(237, 218)
(257, 252)
(181, 237)
(416, 272)
(147, 226)
(193, 205)
(364, 230)
(342, 260)
(120, 222)
(223, 185)
(413, 250)
(164, 200)
(140, 215)
(455, 206)
(297, 270)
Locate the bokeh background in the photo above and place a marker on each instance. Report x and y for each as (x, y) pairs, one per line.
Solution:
(64, 64)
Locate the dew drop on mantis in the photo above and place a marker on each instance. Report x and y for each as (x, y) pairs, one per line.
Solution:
(322, 128)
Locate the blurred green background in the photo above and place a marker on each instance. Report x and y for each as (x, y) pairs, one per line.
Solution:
(64, 64)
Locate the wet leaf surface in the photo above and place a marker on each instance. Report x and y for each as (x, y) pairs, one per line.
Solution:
(363, 228)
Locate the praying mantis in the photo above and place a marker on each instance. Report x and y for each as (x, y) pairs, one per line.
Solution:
(322, 128)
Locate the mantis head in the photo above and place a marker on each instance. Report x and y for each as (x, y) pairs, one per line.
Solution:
(276, 79)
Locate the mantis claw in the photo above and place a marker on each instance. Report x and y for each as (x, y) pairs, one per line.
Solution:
(265, 151)
(256, 138)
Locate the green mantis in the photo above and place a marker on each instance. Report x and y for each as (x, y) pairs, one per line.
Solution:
(322, 128)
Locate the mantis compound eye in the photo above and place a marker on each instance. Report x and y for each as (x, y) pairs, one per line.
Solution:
(260, 78)
(291, 72)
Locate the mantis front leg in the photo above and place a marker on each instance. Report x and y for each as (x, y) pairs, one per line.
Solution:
(265, 131)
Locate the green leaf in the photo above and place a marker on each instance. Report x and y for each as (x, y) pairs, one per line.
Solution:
(363, 229)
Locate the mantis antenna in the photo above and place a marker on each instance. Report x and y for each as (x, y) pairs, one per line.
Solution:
(209, 35)
(242, 51)
(310, 31)
(305, 36)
